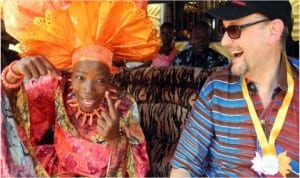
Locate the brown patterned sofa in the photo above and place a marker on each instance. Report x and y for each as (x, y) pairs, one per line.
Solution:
(165, 96)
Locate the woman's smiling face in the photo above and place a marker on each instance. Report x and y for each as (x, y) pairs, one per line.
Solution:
(90, 80)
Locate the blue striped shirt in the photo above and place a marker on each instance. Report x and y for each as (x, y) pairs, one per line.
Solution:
(219, 139)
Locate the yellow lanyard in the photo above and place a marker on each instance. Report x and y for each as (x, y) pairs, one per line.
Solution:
(269, 147)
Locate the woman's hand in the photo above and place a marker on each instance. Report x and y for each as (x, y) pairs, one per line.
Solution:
(108, 125)
(114, 93)
(34, 67)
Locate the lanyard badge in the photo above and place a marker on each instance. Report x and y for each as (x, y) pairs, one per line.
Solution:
(270, 163)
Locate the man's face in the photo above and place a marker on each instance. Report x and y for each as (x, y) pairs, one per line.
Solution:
(166, 35)
(199, 40)
(249, 50)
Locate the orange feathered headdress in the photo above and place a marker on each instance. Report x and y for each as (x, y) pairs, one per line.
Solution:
(83, 30)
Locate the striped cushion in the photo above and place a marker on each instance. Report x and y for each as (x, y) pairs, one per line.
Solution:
(165, 96)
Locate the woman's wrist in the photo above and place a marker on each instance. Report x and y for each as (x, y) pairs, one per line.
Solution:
(114, 144)
(13, 73)
(11, 79)
(116, 158)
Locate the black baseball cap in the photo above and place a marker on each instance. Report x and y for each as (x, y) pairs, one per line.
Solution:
(237, 9)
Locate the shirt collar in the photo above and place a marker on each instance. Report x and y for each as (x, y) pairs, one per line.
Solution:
(282, 76)
(283, 73)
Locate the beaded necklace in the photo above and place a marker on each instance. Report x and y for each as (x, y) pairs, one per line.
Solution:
(87, 117)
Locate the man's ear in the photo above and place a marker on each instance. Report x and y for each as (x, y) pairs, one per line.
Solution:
(276, 27)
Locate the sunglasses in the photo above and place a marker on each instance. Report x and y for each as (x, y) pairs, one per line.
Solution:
(234, 31)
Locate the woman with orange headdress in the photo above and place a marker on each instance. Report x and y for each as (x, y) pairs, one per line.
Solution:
(69, 121)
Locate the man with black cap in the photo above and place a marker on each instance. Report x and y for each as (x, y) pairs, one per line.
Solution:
(245, 122)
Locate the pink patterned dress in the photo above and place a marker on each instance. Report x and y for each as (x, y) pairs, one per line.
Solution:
(162, 60)
(59, 146)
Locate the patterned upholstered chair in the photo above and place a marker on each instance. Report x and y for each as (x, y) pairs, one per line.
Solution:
(165, 96)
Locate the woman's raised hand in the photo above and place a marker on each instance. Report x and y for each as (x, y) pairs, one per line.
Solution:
(108, 125)
(34, 67)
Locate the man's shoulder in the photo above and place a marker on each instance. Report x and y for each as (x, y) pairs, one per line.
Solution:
(181, 57)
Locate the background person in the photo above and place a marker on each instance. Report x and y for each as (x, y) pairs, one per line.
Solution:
(167, 51)
(245, 122)
(199, 54)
